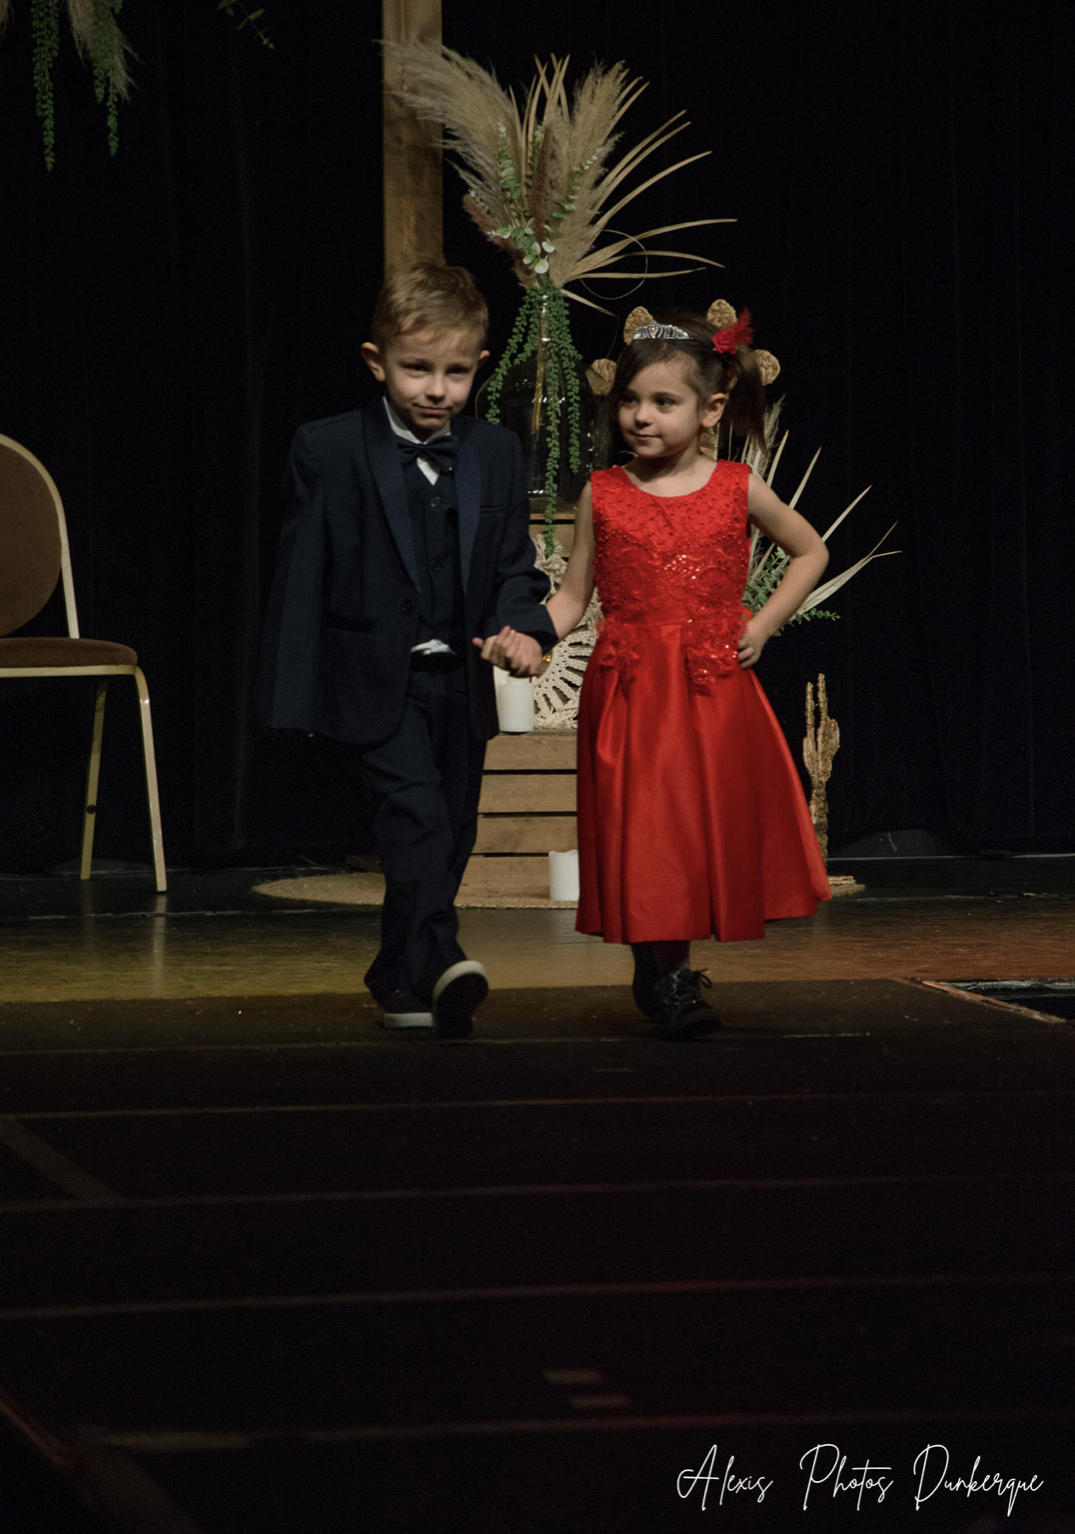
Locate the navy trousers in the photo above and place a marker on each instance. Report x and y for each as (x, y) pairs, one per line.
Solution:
(427, 779)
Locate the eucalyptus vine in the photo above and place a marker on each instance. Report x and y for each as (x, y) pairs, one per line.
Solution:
(97, 36)
(542, 328)
(45, 23)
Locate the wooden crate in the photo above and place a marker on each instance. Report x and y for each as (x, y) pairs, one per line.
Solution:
(563, 527)
(526, 811)
(527, 807)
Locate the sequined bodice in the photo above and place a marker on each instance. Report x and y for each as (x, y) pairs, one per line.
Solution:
(672, 559)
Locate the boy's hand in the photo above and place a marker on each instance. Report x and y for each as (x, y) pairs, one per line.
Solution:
(514, 652)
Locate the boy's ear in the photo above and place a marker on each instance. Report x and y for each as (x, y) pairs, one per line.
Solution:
(483, 358)
(713, 409)
(372, 355)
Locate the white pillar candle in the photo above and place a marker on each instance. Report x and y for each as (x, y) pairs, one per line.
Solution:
(515, 705)
(563, 876)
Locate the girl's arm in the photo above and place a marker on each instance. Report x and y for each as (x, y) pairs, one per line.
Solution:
(809, 556)
(566, 608)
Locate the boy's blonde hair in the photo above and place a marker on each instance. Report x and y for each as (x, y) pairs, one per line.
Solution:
(428, 297)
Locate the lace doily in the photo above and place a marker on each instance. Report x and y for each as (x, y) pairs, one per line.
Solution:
(556, 694)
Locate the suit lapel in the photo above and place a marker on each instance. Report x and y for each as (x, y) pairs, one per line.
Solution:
(387, 470)
(468, 493)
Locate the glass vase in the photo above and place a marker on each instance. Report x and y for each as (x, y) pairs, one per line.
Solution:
(540, 392)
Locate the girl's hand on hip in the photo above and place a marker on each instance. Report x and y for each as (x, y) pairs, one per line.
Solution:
(751, 644)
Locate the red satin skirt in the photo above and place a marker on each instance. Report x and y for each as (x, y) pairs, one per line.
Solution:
(692, 820)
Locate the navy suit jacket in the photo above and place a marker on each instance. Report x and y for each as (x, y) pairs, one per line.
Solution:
(343, 615)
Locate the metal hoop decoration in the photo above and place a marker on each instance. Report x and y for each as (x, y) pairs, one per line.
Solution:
(619, 298)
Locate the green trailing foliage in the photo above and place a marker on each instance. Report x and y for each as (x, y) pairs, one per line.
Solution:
(97, 36)
(45, 26)
(109, 71)
(543, 322)
(95, 28)
(765, 578)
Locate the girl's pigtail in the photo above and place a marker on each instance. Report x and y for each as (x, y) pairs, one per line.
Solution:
(746, 371)
(745, 410)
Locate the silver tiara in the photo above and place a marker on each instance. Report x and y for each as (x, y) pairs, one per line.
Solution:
(660, 333)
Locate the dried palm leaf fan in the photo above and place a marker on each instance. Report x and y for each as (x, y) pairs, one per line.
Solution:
(543, 187)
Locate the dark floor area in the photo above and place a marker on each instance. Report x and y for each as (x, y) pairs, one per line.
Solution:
(121, 887)
(268, 1269)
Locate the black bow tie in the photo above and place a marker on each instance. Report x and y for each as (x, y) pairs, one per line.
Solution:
(440, 452)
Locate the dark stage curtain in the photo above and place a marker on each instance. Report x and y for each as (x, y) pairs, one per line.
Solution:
(900, 179)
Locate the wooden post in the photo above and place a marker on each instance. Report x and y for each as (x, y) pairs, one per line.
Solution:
(413, 222)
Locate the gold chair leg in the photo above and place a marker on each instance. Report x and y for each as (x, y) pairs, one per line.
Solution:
(151, 779)
(93, 773)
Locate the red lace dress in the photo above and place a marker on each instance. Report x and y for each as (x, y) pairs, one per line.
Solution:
(692, 820)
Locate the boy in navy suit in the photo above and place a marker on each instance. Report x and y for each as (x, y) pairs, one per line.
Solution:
(407, 536)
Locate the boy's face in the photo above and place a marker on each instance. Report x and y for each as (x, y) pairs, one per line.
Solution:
(427, 375)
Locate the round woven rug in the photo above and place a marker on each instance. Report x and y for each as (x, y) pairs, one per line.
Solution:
(368, 889)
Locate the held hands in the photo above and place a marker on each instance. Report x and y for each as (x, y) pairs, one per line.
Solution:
(751, 643)
(514, 652)
(522, 655)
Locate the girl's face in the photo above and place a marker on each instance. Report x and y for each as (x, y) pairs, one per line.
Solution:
(661, 414)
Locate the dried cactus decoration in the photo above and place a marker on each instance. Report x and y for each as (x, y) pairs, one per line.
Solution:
(820, 745)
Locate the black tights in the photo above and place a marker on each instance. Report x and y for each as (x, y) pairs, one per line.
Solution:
(653, 959)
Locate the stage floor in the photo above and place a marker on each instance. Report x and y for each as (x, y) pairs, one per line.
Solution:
(267, 1268)
(938, 918)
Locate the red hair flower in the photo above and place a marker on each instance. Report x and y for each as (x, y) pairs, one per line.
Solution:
(739, 334)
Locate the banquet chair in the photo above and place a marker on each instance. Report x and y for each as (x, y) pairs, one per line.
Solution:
(34, 556)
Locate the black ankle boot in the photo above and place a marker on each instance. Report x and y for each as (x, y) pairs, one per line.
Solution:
(679, 1011)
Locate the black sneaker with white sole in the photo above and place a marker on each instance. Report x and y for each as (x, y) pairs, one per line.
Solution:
(461, 988)
(402, 1009)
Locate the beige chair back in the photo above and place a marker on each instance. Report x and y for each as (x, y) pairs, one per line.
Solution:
(33, 539)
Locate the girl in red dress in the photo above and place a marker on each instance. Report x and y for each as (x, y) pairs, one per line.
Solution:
(692, 820)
